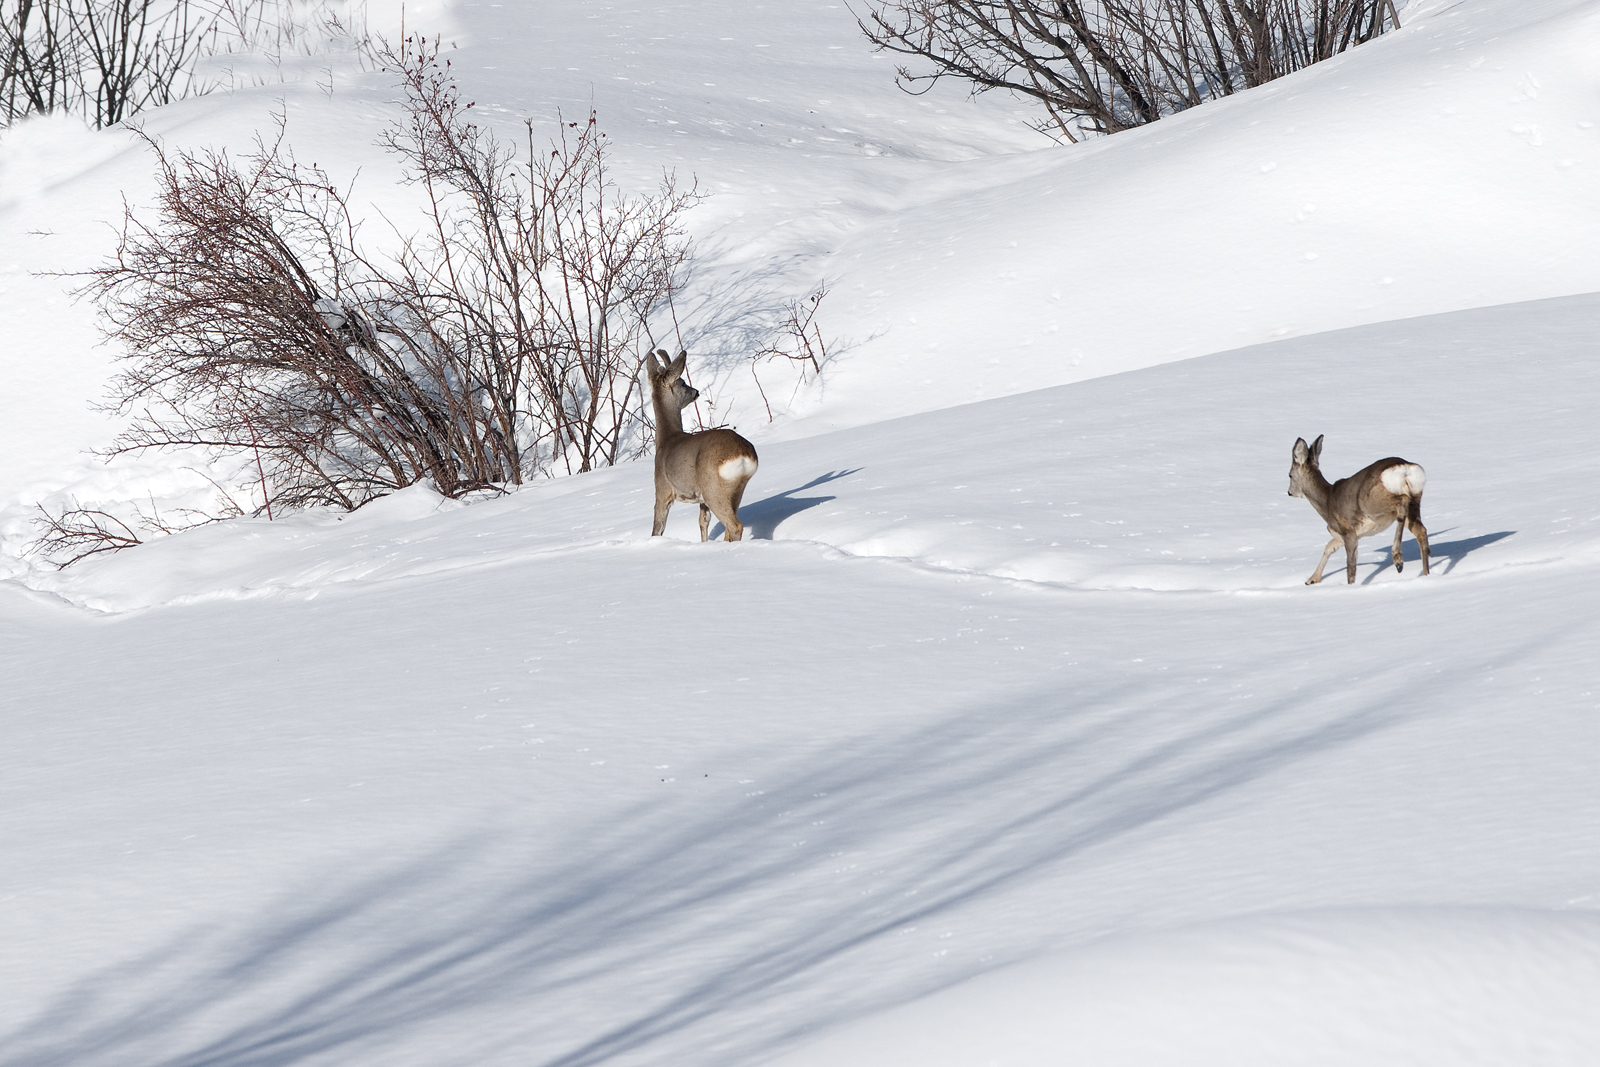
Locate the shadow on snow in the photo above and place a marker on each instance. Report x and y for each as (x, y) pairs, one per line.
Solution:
(717, 930)
(761, 518)
(1452, 551)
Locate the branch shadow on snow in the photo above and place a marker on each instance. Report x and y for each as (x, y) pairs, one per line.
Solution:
(762, 518)
(717, 932)
(728, 317)
(1451, 551)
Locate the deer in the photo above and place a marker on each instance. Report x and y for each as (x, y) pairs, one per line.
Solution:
(1366, 503)
(709, 468)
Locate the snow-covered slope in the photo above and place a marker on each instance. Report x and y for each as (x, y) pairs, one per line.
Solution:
(512, 782)
(1168, 479)
(1480, 986)
(1448, 165)
(1010, 735)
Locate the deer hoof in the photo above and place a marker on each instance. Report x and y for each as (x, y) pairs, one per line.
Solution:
(1313, 580)
(1399, 567)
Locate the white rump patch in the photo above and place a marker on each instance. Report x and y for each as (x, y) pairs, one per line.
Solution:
(740, 468)
(1405, 479)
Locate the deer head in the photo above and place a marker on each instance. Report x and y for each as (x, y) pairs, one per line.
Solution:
(669, 393)
(1304, 468)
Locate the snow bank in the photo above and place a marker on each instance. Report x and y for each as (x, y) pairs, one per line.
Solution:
(1388, 988)
(1169, 479)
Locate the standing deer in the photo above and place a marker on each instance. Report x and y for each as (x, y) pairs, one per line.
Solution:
(1388, 491)
(710, 468)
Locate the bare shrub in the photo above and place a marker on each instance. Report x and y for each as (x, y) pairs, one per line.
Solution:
(537, 274)
(234, 346)
(798, 342)
(101, 59)
(498, 341)
(1101, 66)
(106, 60)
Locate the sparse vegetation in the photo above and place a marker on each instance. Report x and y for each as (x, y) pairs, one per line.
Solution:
(1100, 66)
(106, 60)
(798, 342)
(102, 59)
(500, 340)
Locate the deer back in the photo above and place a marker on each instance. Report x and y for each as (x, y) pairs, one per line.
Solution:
(1376, 495)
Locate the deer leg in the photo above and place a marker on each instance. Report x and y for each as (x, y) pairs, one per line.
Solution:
(723, 502)
(1419, 531)
(730, 518)
(1399, 531)
(663, 505)
(1316, 575)
(1350, 542)
(732, 529)
(705, 523)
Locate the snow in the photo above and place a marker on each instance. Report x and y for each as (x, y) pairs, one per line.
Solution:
(1010, 733)
(1486, 986)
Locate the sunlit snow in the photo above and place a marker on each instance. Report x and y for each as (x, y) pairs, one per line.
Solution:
(1009, 735)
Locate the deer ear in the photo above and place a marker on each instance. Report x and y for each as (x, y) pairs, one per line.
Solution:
(653, 362)
(1301, 450)
(1316, 449)
(677, 365)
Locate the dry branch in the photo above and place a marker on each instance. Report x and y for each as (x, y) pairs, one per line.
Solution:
(1101, 66)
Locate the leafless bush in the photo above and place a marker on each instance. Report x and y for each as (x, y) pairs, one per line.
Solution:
(537, 275)
(1100, 66)
(799, 343)
(102, 59)
(498, 341)
(105, 60)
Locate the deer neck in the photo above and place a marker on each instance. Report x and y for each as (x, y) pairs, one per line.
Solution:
(1319, 492)
(669, 420)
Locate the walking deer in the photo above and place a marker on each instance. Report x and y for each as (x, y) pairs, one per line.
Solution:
(710, 468)
(1388, 491)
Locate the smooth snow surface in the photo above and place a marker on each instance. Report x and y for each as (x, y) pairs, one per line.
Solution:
(1487, 987)
(1010, 734)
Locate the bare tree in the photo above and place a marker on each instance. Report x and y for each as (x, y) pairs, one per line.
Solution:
(1101, 66)
(140, 54)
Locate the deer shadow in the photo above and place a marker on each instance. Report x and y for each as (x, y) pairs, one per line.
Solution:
(761, 518)
(1453, 551)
